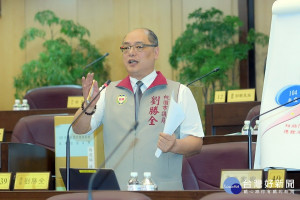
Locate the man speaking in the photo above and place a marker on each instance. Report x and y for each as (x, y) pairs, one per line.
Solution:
(143, 96)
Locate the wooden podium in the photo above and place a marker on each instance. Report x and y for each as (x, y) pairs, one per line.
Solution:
(18, 157)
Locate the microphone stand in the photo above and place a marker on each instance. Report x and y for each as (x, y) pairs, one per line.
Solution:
(215, 70)
(68, 147)
(250, 134)
(91, 181)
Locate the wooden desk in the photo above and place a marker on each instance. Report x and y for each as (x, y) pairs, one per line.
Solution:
(226, 118)
(18, 157)
(8, 119)
(154, 195)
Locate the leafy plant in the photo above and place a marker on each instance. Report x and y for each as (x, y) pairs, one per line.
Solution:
(211, 41)
(66, 52)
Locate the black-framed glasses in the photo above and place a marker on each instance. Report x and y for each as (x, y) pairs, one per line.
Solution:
(138, 47)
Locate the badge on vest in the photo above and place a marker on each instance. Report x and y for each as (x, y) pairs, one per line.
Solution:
(121, 99)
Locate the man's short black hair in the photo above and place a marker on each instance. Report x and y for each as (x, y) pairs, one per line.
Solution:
(152, 37)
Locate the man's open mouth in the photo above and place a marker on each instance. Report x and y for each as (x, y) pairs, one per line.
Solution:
(132, 61)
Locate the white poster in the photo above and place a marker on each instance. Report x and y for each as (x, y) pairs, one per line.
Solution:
(278, 142)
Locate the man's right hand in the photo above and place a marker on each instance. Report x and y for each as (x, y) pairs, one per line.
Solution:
(87, 83)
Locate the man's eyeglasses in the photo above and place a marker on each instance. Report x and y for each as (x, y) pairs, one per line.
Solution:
(138, 47)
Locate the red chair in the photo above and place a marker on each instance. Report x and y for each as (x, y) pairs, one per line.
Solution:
(52, 96)
(203, 171)
(35, 129)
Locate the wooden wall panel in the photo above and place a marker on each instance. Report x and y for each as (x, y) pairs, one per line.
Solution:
(155, 15)
(177, 26)
(263, 17)
(11, 57)
(108, 22)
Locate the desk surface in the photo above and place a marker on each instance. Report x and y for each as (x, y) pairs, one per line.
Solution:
(154, 195)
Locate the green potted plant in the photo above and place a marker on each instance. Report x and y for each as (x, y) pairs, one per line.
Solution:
(211, 41)
(65, 54)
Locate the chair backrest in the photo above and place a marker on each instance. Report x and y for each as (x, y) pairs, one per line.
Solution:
(52, 96)
(102, 195)
(203, 171)
(35, 129)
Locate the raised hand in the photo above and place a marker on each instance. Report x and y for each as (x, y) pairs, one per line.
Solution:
(89, 83)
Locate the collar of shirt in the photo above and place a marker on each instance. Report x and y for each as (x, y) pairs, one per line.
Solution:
(147, 81)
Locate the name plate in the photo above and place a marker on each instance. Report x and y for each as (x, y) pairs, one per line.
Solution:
(32, 181)
(248, 179)
(220, 96)
(241, 95)
(1, 134)
(5, 179)
(87, 171)
(75, 101)
(276, 179)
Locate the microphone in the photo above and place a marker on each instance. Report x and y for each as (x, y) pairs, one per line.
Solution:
(249, 132)
(68, 135)
(91, 181)
(97, 60)
(215, 70)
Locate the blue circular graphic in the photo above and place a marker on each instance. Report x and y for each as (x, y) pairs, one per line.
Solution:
(287, 94)
(232, 185)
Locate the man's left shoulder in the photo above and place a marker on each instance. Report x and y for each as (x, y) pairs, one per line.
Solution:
(176, 84)
(173, 82)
